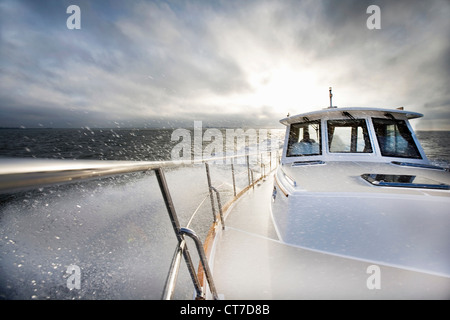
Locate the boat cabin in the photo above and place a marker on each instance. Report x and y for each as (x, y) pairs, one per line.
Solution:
(355, 183)
(352, 134)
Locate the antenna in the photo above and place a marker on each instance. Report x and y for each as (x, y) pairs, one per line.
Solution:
(331, 97)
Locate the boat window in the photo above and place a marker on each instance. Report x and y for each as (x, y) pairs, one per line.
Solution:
(304, 139)
(349, 136)
(395, 139)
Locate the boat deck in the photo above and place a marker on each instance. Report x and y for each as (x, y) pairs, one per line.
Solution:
(250, 262)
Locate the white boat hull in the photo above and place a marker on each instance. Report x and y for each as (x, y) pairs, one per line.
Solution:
(252, 262)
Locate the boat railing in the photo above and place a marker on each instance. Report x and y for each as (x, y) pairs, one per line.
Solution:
(37, 173)
(181, 249)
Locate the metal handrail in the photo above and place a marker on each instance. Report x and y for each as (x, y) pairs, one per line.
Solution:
(24, 174)
(190, 233)
(19, 174)
(173, 271)
(172, 276)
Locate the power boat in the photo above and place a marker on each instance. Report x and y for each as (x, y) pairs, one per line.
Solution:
(352, 209)
(356, 211)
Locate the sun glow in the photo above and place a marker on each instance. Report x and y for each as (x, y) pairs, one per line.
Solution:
(286, 89)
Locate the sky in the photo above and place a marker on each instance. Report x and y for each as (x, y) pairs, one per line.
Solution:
(227, 63)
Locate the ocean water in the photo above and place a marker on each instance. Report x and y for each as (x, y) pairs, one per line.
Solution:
(116, 230)
(142, 144)
(86, 143)
(437, 146)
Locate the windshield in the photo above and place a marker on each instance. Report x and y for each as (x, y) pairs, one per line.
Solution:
(395, 139)
(348, 136)
(304, 139)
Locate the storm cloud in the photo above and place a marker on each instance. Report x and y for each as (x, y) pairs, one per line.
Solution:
(227, 63)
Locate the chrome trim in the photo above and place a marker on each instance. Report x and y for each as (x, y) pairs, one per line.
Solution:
(307, 163)
(281, 188)
(289, 178)
(401, 181)
(417, 165)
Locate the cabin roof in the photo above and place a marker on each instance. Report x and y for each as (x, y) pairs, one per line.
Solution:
(330, 112)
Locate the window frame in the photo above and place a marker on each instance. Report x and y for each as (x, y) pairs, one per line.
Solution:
(404, 131)
(360, 122)
(290, 142)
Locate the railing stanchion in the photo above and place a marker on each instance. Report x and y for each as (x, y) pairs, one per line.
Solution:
(261, 165)
(220, 206)
(270, 161)
(234, 179)
(176, 227)
(248, 171)
(210, 191)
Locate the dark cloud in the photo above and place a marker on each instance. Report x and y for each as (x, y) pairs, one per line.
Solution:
(155, 62)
